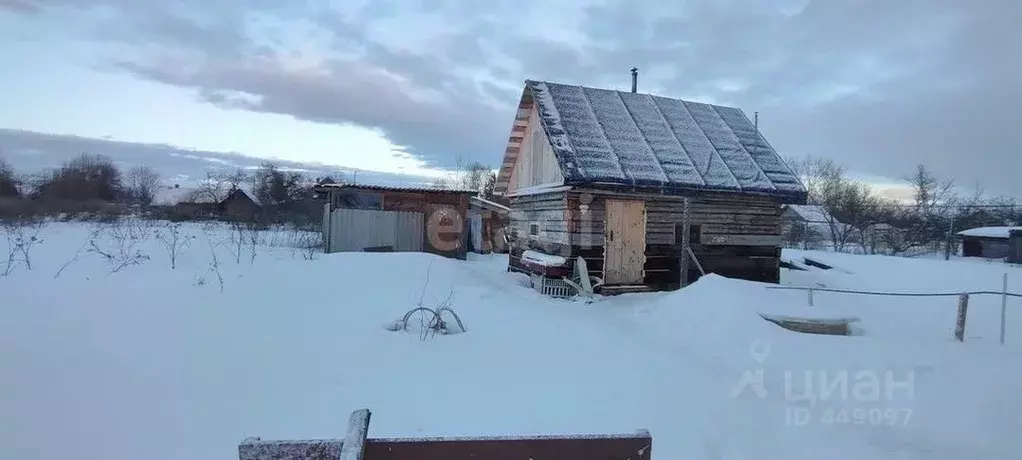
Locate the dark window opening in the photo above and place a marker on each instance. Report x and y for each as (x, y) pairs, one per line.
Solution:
(695, 232)
(358, 199)
(534, 229)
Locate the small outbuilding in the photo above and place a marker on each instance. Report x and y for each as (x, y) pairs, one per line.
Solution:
(650, 191)
(239, 205)
(992, 243)
(358, 217)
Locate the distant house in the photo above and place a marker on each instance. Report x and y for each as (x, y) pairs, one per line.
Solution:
(640, 186)
(193, 203)
(806, 225)
(487, 219)
(992, 243)
(382, 218)
(239, 205)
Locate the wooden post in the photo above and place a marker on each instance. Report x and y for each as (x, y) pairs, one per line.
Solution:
(950, 236)
(963, 310)
(1004, 304)
(327, 223)
(810, 296)
(683, 257)
(354, 444)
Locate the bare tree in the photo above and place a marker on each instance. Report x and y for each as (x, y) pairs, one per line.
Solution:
(9, 184)
(932, 214)
(219, 185)
(276, 188)
(473, 176)
(141, 185)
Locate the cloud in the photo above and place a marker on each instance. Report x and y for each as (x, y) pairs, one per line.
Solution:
(878, 85)
(31, 153)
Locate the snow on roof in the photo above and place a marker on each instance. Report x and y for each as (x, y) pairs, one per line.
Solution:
(538, 190)
(398, 188)
(492, 204)
(989, 232)
(637, 139)
(170, 195)
(813, 213)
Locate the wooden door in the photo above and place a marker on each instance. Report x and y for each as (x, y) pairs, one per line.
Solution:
(624, 248)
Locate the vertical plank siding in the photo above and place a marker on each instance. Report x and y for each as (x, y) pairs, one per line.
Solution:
(357, 229)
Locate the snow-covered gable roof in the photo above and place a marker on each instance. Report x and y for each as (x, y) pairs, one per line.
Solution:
(989, 232)
(170, 195)
(640, 140)
(812, 213)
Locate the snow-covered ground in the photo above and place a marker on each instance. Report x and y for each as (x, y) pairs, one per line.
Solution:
(159, 363)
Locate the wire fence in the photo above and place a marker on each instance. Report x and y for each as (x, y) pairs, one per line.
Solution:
(894, 294)
(963, 300)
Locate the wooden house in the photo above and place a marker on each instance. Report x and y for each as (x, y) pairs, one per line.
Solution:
(810, 226)
(650, 191)
(380, 218)
(239, 205)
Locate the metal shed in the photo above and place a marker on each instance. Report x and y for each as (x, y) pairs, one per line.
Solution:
(399, 219)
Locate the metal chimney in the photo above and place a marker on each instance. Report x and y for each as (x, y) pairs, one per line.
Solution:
(635, 78)
(755, 120)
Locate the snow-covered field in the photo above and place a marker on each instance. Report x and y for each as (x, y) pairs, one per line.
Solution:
(156, 363)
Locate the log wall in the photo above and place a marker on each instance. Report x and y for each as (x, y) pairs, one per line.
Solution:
(731, 235)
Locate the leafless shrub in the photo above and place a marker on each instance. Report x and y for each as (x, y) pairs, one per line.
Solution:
(173, 240)
(236, 240)
(209, 229)
(305, 243)
(122, 244)
(93, 234)
(22, 235)
(254, 239)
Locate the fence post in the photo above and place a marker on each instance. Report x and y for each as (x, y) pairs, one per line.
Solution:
(810, 296)
(963, 309)
(353, 447)
(1004, 304)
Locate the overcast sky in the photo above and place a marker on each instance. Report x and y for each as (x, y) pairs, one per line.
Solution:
(405, 86)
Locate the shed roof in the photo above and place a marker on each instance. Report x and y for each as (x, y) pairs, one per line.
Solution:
(989, 232)
(813, 213)
(396, 188)
(611, 137)
(492, 205)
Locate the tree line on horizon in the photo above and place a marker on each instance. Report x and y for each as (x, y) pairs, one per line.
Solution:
(90, 183)
(858, 214)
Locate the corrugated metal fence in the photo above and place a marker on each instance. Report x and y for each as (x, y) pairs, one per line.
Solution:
(357, 229)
